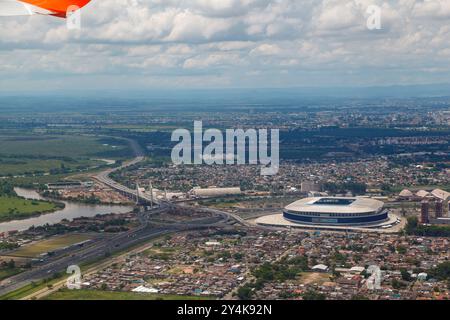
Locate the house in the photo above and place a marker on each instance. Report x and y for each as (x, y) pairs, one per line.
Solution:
(320, 268)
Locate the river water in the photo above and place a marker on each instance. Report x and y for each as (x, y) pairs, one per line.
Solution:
(71, 211)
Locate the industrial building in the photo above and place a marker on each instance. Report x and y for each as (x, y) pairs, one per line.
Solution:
(214, 192)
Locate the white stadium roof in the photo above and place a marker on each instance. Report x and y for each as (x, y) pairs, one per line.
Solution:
(441, 194)
(336, 205)
(406, 193)
(423, 193)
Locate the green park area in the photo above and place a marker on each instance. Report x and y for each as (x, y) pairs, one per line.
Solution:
(15, 208)
(35, 249)
(66, 294)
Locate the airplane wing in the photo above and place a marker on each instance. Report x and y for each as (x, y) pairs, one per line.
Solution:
(58, 8)
(16, 8)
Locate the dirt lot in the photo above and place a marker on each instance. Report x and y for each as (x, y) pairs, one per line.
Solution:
(314, 277)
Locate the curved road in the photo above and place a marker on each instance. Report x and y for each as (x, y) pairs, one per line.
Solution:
(120, 242)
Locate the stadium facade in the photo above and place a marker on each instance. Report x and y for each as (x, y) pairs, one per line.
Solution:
(334, 211)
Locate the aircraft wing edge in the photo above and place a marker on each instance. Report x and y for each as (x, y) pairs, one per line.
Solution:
(10, 8)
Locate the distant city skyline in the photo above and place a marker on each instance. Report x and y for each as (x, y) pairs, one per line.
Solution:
(150, 44)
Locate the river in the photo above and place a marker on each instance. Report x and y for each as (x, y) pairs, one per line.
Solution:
(72, 210)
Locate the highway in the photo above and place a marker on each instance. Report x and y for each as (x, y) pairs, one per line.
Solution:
(90, 253)
(98, 250)
(104, 178)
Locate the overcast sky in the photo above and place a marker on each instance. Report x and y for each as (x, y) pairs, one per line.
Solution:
(138, 44)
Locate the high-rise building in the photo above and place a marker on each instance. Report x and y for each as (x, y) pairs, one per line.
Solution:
(439, 208)
(425, 217)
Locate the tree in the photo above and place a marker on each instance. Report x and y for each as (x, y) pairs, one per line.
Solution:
(401, 249)
(405, 275)
(245, 293)
(11, 264)
(238, 256)
(313, 295)
(397, 284)
(442, 271)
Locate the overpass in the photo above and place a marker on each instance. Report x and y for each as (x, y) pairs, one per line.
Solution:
(104, 178)
(145, 198)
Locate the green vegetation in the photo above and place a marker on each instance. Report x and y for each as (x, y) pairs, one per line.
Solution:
(6, 189)
(66, 294)
(285, 269)
(313, 295)
(406, 276)
(399, 284)
(8, 269)
(31, 182)
(33, 287)
(36, 286)
(8, 272)
(13, 208)
(442, 271)
(414, 228)
(401, 249)
(21, 292)
(8, 245)
(34, 250)
(56, 154)
(45, 146)
(28, 167)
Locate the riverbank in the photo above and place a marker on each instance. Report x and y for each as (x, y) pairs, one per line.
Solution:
(71, 211)
(18, 208)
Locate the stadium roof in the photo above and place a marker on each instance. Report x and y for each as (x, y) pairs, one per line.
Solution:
(336, 205)
(423, 193)
(441, 194)
(406, 193)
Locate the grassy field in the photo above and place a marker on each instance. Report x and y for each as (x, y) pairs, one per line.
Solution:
(6, 273)
(54, 146)
(35, 249)
(26, 154)
(26, 166)
(28, 182)
(26, 290)
(12, 208)
(109, 295)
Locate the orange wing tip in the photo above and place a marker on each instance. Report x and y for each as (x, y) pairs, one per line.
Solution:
(59, 8)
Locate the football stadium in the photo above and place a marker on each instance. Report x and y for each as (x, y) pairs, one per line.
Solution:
(336, 211)
(333, 213)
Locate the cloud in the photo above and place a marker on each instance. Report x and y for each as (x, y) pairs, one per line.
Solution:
(231, 43)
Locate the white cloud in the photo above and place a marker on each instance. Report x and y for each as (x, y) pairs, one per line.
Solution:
(236, 42)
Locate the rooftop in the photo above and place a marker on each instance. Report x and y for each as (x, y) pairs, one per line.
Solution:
(330, 204)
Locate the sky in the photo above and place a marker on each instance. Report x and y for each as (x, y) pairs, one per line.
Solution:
(151, 44)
